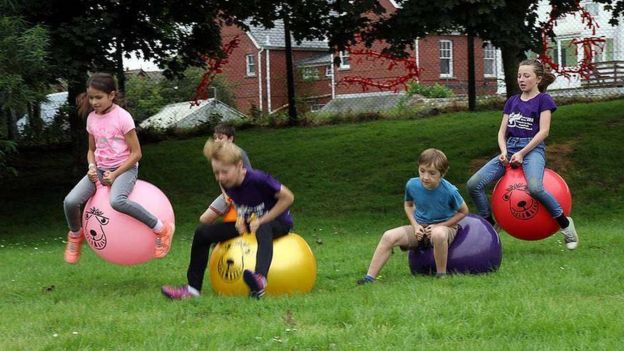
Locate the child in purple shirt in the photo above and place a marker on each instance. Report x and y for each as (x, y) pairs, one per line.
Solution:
(525, 126)
(262, 207)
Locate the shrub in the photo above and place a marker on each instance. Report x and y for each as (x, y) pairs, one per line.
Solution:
(7, 150)
(430, 91)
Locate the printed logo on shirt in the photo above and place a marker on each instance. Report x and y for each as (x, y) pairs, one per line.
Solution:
(517, 120)
(246, 211)
(111, 142)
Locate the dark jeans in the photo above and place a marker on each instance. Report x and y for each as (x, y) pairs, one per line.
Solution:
(208, 234)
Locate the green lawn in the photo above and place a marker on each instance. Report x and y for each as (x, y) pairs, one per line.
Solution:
(348, 182)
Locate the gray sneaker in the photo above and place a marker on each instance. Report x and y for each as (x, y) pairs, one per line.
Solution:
(569, 235)
(497, 227)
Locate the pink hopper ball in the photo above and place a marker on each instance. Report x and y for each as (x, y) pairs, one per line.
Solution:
(117, 237)
(519, 213)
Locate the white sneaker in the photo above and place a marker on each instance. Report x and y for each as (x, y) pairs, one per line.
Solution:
(569, 235)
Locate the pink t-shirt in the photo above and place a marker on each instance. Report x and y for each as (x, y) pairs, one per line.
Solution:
(109, 131)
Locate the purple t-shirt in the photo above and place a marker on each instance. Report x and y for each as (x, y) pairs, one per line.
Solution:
(256, 194)
(524, 116)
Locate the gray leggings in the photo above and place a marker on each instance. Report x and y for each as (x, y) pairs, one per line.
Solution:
(121, 188)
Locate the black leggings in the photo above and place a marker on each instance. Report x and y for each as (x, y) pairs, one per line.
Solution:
(208, 234)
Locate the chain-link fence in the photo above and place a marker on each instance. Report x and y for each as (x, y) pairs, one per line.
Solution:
(365, 80)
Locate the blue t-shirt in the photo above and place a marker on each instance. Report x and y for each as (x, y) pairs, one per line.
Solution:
(256, 194)
(524, 116)
(436, 205)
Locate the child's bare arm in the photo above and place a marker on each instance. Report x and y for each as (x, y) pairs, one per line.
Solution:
(408, 206)
(461, 213)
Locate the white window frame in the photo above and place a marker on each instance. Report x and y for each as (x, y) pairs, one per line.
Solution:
(564, 55)
(489, 55)
(448, 57)
(344, 60)
(250, 65)
(329, 71)
(601, 53)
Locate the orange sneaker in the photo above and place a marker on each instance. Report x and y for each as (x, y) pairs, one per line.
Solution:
(163, 240)
(72, 250)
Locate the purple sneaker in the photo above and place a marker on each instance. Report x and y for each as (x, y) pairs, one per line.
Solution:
(179, 292)
(256, 283)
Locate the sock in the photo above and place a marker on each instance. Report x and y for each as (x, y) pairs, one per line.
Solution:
(158, 228)
(490, 219)
(369, 278)
(439, 275)
(563, 221)
(192, 290)
(75, 234)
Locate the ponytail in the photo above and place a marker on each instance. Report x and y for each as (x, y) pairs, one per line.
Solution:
(83, 105)
(540, 71)
(104, 82)
(547, 79)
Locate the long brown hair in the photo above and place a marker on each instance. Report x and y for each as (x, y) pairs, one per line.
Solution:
(540, 71)
(101, 81)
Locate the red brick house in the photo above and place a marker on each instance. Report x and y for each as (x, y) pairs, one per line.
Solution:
(256, 69)
(257, 76)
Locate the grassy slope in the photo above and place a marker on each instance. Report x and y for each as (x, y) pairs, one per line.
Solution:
(348, 181)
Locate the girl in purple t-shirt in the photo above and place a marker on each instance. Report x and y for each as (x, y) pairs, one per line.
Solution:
(113, 156)
(525, 126)
(262, 207)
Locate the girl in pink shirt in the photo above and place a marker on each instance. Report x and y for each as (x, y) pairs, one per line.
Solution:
(113, 155)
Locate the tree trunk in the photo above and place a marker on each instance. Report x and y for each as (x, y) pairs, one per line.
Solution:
(511, 59)
(79, 139)
(35, 120)
(290, 77)
(119, 70)
(12, 125)
(472, 84)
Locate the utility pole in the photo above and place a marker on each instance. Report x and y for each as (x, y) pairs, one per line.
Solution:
(290, 77)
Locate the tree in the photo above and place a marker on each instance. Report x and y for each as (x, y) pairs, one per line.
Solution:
(511, 25)
(615, 7)
(89, 36)
(337, 21)
(23, 69)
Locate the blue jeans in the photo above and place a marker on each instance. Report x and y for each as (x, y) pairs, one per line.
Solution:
(121, 188)
(533, 167)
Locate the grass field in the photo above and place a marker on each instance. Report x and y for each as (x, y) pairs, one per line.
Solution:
(348, 182)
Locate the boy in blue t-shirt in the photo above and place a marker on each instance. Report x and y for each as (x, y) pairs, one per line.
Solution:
(433, 207)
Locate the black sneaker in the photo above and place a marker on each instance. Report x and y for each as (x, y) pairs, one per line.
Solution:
(256, 283)
(365, 280)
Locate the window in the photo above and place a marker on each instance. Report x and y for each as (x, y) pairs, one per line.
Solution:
(344, 60)
(251, 65)
(592, 8)
(568, 53)
(446, 58)
(489, 60)
(603, 51)
(329, 71)
(316, 107)
(310, 73)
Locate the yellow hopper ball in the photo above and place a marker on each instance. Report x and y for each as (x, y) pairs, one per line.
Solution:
(293, 269)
